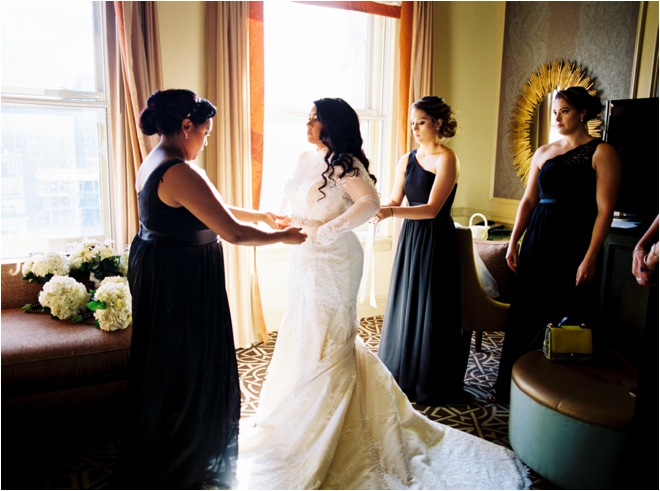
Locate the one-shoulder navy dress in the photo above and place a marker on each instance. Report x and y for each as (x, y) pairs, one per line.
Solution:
(422, 342)
(184, 397)
(556, 240)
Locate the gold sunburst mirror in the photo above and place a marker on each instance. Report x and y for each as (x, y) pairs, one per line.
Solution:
(531, 115)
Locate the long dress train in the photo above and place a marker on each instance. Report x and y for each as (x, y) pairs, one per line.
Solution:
(331, 415)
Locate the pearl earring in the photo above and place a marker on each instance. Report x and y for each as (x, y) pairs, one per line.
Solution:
(186, 135)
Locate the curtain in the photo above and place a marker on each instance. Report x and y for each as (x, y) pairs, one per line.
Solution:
(415, 75)
(257, 88)
(228, 155)
(135, 72)
(415, 64)
(386, 9)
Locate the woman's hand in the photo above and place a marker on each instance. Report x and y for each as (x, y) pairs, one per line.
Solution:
(512, 256)
(275, 221)
(293, 235)
(283, 222)
(383, 213)
(645, 266)
(586, 271)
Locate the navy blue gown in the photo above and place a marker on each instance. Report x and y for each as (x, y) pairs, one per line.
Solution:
(184, 397)
(422, 342)
(555, 243)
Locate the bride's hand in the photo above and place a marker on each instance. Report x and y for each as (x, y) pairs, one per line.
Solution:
(277, 222)
(283, 221)
(383, 213)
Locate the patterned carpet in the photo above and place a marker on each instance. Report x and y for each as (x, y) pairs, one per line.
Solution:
(91, 468)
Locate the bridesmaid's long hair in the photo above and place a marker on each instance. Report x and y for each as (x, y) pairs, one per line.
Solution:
(341, 134)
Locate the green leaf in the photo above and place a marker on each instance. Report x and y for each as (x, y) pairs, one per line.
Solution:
(95, 305)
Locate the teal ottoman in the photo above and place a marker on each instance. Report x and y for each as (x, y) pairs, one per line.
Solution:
(572, 423)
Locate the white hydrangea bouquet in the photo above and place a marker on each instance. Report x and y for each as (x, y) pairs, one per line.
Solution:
(97, 258)
(64, 297)
(111, 304)
(43, 267)
(88, 281)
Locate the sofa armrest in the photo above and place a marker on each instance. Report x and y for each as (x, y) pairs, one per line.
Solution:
(16, 292)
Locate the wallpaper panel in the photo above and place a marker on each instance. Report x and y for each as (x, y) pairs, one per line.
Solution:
(598, 36)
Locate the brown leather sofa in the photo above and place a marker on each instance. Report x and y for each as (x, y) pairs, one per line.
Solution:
(55, 369)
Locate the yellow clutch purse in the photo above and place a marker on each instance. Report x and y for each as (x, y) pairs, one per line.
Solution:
(567, 343)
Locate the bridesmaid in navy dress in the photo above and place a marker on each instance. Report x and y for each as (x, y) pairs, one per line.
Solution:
(565, 213)
(422, 342)
(184, 398)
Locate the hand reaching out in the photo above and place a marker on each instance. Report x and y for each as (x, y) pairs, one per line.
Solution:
(383, 213)
(277, 222)
(283, 221)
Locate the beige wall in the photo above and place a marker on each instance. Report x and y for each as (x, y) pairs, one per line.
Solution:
(468, 40)
(181, 27)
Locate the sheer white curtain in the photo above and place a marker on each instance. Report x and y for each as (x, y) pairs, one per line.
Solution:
(228, 159)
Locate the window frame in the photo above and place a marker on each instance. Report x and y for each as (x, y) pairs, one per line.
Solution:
(66, 99)
(381, 97)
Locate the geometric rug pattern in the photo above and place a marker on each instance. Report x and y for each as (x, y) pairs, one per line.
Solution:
(92, 468)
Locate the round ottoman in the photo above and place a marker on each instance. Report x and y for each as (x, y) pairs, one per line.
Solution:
(571, 423)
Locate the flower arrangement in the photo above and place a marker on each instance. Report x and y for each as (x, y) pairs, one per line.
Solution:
(66, 298)
(111, 304)
(43, 267)
(97, 258)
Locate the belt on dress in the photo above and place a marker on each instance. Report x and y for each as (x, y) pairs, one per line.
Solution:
(548, 200)
(183, 237)
(298, 221)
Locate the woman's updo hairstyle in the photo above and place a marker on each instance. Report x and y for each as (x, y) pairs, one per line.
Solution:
(580, 99)
(438, 109)
(167, 108)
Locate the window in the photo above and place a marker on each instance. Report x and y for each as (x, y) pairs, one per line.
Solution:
(54, 126)
(349, 55)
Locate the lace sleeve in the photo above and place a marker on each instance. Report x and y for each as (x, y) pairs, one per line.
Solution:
(366, 204)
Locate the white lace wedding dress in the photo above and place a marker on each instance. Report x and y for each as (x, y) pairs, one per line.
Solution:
(330, 414)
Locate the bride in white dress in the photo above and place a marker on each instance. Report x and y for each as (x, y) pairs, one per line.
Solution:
(331, 415)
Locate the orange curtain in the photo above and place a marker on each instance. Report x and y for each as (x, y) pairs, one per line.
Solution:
(135, 73)
(256, 62)
(256, 98)
(229, 155)
(405, 55)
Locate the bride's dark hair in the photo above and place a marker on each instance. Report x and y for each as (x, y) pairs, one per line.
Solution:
(341, 134)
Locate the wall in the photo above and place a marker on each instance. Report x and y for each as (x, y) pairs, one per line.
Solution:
(181, 27)
(468, 40)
